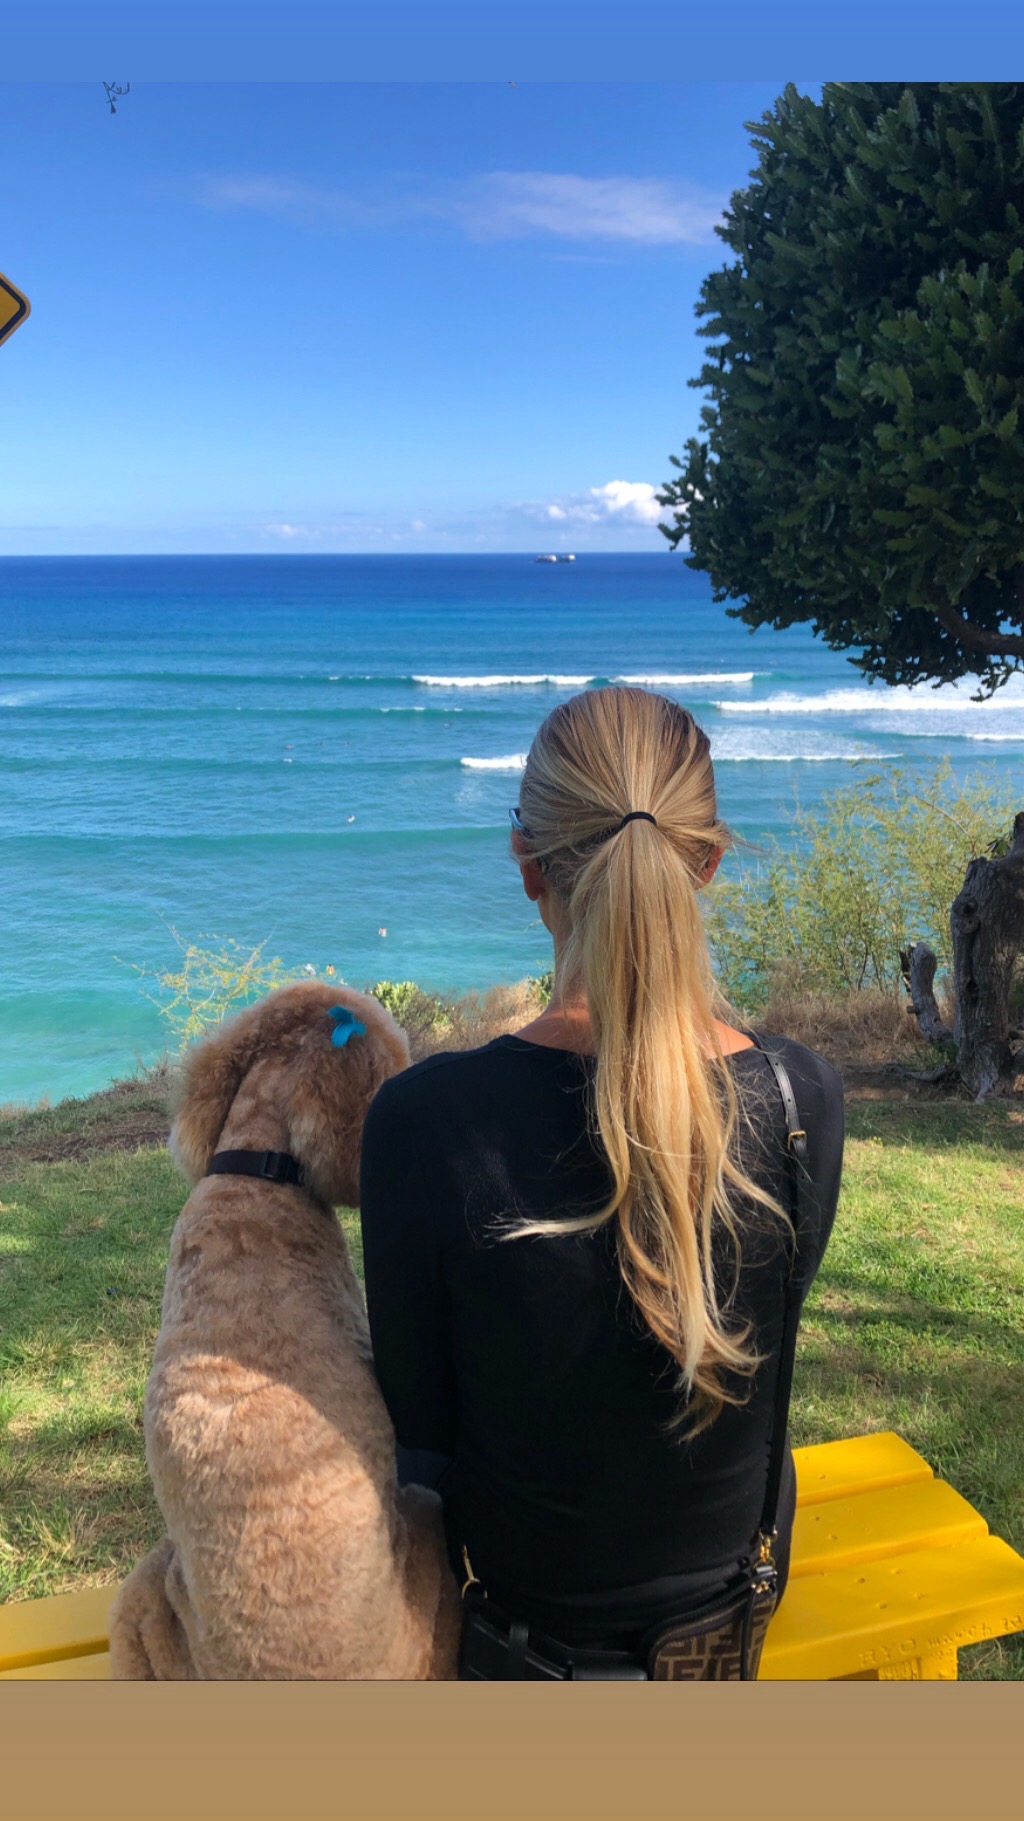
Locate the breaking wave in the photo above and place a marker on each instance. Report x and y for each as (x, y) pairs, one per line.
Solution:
(556, 680)
(513, 761)
(896, 700)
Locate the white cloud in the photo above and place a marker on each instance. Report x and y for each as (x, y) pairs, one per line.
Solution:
(629, 499)
(349, 530)
(644, 211)
(615, 515)
(497, 205)
(625, 502)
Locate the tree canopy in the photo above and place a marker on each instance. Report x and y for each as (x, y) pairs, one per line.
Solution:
(861, 462)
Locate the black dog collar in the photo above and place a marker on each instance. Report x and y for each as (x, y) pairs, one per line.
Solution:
(271, 1166)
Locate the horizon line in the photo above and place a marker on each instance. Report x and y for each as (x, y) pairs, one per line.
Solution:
(73, 556)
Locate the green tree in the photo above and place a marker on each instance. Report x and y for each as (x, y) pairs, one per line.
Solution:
(861, 462)
(861, 466)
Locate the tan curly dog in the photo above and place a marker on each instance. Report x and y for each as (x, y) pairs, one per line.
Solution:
(290, 1550)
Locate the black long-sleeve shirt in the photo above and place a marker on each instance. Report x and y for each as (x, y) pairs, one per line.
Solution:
(525, 1359)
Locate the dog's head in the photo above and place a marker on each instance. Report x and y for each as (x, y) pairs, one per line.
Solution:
(319, 1073)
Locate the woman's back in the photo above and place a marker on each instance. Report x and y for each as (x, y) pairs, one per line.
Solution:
(577, 1250)
(526, 1361)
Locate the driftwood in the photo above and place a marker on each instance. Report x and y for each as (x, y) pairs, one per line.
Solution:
(987, 923)
(918, 964)
(987, 927)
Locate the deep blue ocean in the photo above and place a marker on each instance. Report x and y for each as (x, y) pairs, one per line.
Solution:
(313, 751)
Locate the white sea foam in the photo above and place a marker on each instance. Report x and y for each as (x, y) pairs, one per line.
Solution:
(558, 682)
(1019, 737)
(676, 679)
(734, 744)
(684, 680)
(799, 758)
(728, 752)
(950, 699)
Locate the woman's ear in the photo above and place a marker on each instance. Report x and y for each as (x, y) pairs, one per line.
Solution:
(710, 867)
(534, 883)
(531, 869)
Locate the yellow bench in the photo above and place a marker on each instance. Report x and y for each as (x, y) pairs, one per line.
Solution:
(892, 1571)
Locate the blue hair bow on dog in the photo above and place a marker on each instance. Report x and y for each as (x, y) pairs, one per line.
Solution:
(346, 1025)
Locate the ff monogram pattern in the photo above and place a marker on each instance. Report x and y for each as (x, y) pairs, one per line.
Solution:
(712, 1652)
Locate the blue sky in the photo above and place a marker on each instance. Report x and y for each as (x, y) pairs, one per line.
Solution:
(319, 316)
(543, 40)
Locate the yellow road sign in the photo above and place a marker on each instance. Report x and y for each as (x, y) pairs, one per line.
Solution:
(14, 307)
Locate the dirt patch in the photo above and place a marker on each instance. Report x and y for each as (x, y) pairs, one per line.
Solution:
(128, 1116)
(889, 1081)
(73, 1147)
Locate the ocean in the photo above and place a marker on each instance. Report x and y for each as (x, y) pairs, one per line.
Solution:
(319, 753)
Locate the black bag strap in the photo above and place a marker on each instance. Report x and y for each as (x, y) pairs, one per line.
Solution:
(799, 1189)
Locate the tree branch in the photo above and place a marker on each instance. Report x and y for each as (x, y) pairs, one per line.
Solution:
(993, 644)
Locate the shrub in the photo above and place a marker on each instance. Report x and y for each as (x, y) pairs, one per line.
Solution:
(211, 982)
(478, 1017)
(876, 867)
(423, 1016)
(543, 986)
(868, 1028)
(458, 1021)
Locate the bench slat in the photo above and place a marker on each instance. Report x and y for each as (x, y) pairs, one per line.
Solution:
(920, 1605)
(65, 1625)
(838, 1533)
(864, 1463)
(93, 1668)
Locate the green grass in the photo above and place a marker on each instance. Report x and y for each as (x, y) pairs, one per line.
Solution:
(916, 1324)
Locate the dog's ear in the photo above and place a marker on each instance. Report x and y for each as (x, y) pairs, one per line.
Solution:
(211, 1077)
(331, 1090)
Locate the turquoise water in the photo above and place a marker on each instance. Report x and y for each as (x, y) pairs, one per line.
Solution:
(310, 750)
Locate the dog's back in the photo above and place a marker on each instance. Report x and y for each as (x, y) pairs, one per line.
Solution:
(271, 1452)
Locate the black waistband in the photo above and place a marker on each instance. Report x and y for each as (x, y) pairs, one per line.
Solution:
(495, 1648)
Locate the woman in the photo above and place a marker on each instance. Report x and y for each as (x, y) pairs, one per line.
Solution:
(576, 1238)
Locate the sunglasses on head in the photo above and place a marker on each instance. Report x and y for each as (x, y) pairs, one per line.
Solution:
(517, 823)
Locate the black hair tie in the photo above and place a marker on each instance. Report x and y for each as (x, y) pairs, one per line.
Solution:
(637, 815)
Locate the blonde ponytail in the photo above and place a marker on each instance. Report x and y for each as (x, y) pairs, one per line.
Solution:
(664, 1103)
